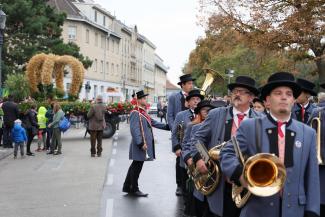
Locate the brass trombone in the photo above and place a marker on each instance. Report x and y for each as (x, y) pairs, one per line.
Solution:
(316, 124)
(264, 174)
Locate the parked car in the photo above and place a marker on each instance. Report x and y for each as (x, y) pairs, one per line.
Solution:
(153, 108)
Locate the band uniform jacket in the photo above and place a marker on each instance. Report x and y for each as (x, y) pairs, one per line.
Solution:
(184, 118)
(215, 129)
(174, 107)
(136, 152)
(314, 114)
(296, 112)
(300, 195)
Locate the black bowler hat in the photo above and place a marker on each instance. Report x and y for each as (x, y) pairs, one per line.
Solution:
(194, 93)
(279, 79)
(202, 104)
(185, 78)
(246, 82)
(140, 94)
(307, 86)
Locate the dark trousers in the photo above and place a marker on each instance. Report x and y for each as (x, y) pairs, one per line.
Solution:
(49, 132)
(30, 138)
(7, 142)
(229, 207)
(178, 173)
(131, 180)
(202, 209)
(1, 133)
(96, 135)
(21, 146)
(187, 190)
(322, 210)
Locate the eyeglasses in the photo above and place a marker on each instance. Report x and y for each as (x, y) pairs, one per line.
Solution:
(240, 91)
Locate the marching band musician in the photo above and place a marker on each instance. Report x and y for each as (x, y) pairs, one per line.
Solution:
(176, 104)
(303, 108)
(184, 118)
(142, 147)
(290, 140)
(320, 112)
(201, 111)
(219, 126)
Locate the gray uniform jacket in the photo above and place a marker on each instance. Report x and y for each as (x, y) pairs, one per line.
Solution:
(314, 114)
(296, 112)
(183, 118)
(136, 152)
(174, 107)
(300, 195)
(214, 130)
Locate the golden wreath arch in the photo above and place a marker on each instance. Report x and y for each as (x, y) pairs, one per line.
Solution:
(42, 68)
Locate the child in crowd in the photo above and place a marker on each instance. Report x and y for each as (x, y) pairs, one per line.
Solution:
(19, 137)
(41, 120)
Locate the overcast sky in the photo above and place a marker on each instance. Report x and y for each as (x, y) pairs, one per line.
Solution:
(170, 24)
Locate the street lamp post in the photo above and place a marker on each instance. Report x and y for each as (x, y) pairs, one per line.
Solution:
(3, 18)
(230, 74)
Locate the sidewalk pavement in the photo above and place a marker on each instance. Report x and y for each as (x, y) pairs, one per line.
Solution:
(5, 152)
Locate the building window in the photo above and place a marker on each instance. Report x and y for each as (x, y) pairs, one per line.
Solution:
(117, 69)
(102, 89)
(101, 66)
(95, 91)
(112, 68)
(87, 35)
(107, 67)
(96, 39)
(104, 21)
(72, 31)
(113, 45)
(95, 65)
(95, 16)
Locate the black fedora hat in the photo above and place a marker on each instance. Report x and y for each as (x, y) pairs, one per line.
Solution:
(279, 79)
(246, 82)
(307, 86)
(185, 78)
(194, 93)
(203, 103)
(140, 94)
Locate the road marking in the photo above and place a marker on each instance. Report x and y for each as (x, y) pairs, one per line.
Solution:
(109, 208)
(110, 179)
(114, 151)
(111, 162)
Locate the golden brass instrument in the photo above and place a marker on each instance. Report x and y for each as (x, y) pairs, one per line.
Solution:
(211, 77)
(264, 174)
(207, 183)
(316, 124)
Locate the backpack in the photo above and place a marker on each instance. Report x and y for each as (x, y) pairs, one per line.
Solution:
(64, 124)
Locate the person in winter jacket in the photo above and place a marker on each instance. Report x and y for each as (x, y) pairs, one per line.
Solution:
(18, 136)
(41, 120)
(31, 126)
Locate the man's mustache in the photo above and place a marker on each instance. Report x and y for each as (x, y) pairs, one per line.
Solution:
(237, 98)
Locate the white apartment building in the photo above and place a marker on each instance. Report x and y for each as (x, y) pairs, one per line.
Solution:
(123, 59)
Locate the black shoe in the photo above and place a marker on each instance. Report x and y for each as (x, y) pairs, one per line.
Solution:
(99, 155)
(58, 153)
(30, 154)
(139, 194)
(179, 191)
(126, 189)
(51, 152)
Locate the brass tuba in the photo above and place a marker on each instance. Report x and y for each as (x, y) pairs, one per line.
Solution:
(207, 183)
(264, 174)
(211, 77)
(316, 124)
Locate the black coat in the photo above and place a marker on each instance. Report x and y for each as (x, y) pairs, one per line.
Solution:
(30, 119)
(11, 113)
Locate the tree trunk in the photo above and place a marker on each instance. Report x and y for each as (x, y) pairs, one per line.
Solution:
(321, 71)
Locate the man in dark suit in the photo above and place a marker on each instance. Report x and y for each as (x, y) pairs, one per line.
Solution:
(292, 142)
(176, 104)
(303, 108)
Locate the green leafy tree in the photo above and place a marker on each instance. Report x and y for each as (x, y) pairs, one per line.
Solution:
(34, 27)
(17, 86)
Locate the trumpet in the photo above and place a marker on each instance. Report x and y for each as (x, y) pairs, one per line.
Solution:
(264, 174)
(316, 124)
